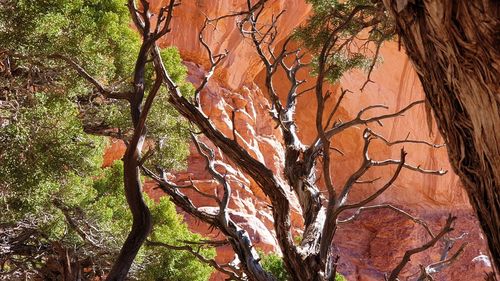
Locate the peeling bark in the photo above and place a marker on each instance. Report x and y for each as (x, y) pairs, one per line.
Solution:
(454, 46)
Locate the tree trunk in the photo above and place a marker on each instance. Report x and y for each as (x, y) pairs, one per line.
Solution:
(455, 48)
(142, 222)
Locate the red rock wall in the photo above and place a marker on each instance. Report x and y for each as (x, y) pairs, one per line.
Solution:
(374, 243)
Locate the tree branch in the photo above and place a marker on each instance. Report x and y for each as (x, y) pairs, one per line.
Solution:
(233, 275)
(361, 121)
(108, 93)
(407, 256)
(391, 207)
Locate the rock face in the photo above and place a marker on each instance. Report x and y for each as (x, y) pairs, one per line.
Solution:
(374, 243)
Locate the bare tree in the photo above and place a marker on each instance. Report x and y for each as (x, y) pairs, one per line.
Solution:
(313, 258)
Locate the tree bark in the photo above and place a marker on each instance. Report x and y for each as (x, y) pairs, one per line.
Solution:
(141, 216)
(454, 46)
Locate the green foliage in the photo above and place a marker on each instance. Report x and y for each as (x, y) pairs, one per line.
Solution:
(50, 165)
(44, 152)
(108, 207)
(336, 22)
(165, 264)
(340, 277)
(297, 239)
(274, 264)
(153, 263)
(43, 143)
(165, 127)
(96, 32)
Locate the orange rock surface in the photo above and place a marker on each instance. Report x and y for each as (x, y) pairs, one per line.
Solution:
(374, 243)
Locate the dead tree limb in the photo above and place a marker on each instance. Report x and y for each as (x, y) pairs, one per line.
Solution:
(447, 228)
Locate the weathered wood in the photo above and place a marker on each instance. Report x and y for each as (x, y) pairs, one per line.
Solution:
(454, 46)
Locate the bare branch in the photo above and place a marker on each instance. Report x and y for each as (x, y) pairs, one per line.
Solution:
(381, 190)
(135, 14)
(165, 19)
(233, 275)
(108, 93)
(251, 8)
(211, 243)
(378, 44)
(73, 224)
(337, 150)
(391, 207)
(361, 121)
(214, 61)
(197, 190)
(407, 256)
(178, 197)
(367, 181)
(209, 156)
(437, 266)
(408, 166)
(343, 92)
(299, 94)
(354, 178)
(406, 140)
(142, 221)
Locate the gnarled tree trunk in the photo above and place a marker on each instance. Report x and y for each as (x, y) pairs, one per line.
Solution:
(455, 48)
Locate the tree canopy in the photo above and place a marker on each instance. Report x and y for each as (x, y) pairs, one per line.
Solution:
(54, 129)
